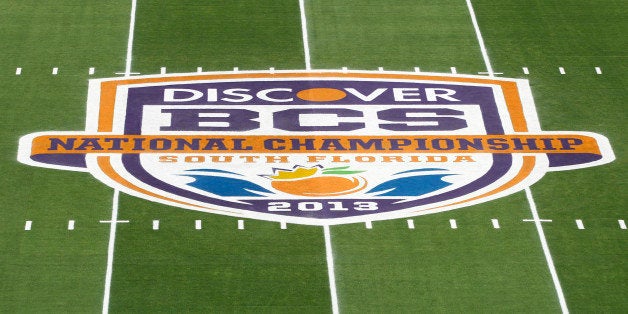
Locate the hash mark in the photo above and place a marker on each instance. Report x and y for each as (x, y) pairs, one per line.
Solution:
(235, 69)
(417, 69)
(453, 224)
(197, 225)
(453, 70)
(579, 224)
(55, 71)
(622, 224)
(410, 224)
(344, 69)
(283, 225)
(92, 71)
(162, 70)
(495, 223)
(18, 71)
(561, 70)
(368, 224)
(598, 70)
(525, 70)
(155, 224)
(240, 224)
(381, 69)
(28, 225)
(70, 224)
(199, 69)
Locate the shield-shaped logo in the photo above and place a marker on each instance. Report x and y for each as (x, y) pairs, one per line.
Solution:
(314, 147)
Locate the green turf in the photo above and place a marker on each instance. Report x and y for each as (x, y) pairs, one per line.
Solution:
(51, 269)
(390, 268)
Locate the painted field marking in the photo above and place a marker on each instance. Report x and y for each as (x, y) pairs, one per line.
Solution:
(198, 224)
(155, 224)
(344, 69)
(417, 69)
(579, 224)
(598, 70)
(28, 225)
(283, 225)
(525, 70)
(18, 71)
(410, 223)
(453, 224)
(368, 224)
(199, 69)
(535, 220)
(235, 69)
(304, 35)
(70, 224)
(330, 270)
(55, 71)
(561, 70)
(272, 70)
(240, 224)
(127, 73)
(453, 70)
(495, 223)
(162, 70)
(92, 71)
(622, 224)
(381, 69)
(494, 73)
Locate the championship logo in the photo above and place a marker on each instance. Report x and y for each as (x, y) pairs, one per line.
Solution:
(315, 147)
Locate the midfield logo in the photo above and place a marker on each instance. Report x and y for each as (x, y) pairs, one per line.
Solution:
(314, 148)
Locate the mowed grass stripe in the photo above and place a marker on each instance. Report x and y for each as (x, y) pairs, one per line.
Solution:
(590, 263)
(219, 267)
(51, 268)
(430, 268)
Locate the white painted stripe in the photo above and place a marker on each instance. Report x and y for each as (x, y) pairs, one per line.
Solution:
(368, 224)
(55, 71)
(622, 224)
(598, 70)
(110, 248)
(478, 34)
(70, 224)
(535, 215)
(495, 223)
(236, 69)
(28, 225)
(579, 224)
(198, 225)
(525, 70)
(381, 69)
(272, 70)
(453, 70)
(199, 69)
(162, 70)
(155, 224)
(330, 270)
(306, 44)
(546, 251)
(241, 224)
(453, 224)
(410, 224)
(283, 225)
(18, 71)
(417, 69)
(129, 45)
(561, 70)
(344, 69)
(92, 71)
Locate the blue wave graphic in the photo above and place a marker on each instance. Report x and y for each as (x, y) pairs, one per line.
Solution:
(413, 185)
(216, 183)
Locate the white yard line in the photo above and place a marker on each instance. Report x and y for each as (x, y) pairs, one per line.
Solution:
(330, 270)
(328, 248)
(532, 205)
(546, 251)
(112, 241)
(116, 193)
(306, 45)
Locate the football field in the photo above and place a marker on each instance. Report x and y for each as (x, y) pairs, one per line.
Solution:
(71, 244)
